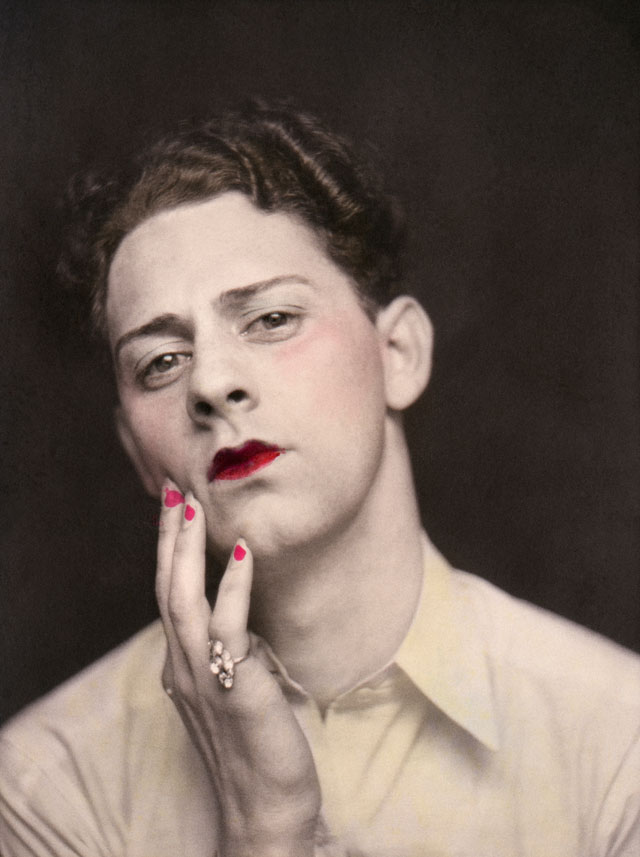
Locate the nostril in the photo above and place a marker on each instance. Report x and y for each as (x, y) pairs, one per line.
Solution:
(203, 409)
(236, 396)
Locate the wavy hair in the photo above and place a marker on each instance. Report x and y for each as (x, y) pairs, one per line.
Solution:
(281, 159)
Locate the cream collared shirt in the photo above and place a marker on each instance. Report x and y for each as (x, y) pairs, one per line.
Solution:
(499, 730)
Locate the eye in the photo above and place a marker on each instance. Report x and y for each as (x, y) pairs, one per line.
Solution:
(163, 363)
(273, 326)
(274, 319)
(163, 369)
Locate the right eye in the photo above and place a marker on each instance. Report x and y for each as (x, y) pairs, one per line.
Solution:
(163, 369)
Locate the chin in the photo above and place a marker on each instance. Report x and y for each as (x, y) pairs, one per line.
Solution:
(273, 534)
(277, 524)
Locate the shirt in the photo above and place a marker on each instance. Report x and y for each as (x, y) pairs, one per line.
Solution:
(499, 730)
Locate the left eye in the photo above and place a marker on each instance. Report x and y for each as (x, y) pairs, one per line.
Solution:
(274, 319)
(273, 326)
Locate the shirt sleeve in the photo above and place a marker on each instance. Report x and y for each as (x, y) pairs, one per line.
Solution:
(39, 815)
(618, 829)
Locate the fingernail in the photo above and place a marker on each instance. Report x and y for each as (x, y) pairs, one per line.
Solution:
(239, 553)
(189, 510)
(173, 498)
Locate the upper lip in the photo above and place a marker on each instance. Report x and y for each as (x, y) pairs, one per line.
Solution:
(228, 456)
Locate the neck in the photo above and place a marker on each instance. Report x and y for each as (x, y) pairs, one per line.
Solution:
(337, 612)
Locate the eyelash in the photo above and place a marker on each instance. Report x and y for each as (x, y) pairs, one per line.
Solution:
(147, 374)
(288, 317)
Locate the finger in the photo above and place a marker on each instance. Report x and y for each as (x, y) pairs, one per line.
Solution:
(171, 512)
(187, 605)
(170, 520)
(168, 678)
(231, 612)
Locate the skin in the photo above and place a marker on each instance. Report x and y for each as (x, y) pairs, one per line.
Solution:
(258, 335)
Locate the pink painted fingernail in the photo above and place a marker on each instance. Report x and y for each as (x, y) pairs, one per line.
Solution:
(173, 498)
(189, 513)
(239, 553)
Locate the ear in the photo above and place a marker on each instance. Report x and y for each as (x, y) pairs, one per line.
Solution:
(406, 337)
(129, 445)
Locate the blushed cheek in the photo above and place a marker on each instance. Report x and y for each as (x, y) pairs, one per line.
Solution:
(332, 363)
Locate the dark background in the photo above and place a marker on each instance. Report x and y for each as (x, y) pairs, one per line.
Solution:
(510, 131)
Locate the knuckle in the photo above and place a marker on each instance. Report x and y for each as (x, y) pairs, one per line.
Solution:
(228, 586)
(182, 600)
(162, 590)
(176, 611)
(164, 544)
(181, 546)
(182, 687)
(234, 639)
(266, 695)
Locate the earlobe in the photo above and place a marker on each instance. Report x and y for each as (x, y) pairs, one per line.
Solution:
(407, 341)
(130, 447)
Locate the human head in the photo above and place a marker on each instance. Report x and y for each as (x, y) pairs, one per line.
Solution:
(231, 326)
(296, 180)
(282, 160)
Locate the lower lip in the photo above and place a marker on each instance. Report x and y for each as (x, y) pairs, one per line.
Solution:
(246, 468)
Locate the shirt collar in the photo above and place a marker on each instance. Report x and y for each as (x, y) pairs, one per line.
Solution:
(444, 656)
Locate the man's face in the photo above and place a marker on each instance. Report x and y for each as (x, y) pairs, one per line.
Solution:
(231, 325)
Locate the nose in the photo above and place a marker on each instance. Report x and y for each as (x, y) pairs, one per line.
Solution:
(220, 384)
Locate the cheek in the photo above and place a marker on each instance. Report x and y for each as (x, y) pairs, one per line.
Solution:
(156, 432)
(335, 368)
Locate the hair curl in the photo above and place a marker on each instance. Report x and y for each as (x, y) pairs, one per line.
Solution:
(282, 160)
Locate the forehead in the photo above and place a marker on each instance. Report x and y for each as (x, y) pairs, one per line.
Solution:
(203, 249)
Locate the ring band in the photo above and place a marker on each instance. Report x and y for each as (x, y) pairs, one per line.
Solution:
(222, 664)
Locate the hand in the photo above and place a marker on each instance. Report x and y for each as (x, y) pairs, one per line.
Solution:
(258, 760)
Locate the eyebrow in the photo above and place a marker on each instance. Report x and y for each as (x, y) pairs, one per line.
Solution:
(166, 323)
(234, 298)
(175, 325)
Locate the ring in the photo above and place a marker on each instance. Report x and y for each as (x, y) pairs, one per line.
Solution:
(222, 664)
(168, 690)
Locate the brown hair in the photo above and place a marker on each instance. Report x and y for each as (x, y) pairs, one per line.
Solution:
(282, 160)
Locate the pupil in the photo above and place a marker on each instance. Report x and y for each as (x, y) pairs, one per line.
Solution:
(274, 319)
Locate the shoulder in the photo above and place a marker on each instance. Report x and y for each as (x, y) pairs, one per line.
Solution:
(567, 701)
(91, 759)
(538, 657)
(90, 708)
(534, 639)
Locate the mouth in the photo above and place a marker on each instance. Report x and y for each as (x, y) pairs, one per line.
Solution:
(241, 461)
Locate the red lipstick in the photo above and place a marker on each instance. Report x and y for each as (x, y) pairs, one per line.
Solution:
(241, 461)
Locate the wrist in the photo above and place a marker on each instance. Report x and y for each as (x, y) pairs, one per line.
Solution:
(277, 831)
(291, 848)
(270, 840)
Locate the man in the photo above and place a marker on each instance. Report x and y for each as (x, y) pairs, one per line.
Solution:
(349, 693)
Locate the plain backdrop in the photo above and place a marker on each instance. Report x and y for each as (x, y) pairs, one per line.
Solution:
(509, 130)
